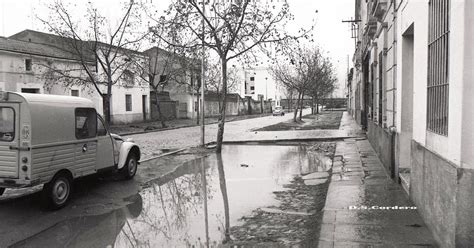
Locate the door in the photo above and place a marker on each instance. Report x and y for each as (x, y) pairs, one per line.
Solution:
(86, 146)
(105, 148)
(144, 103)
(9, 140)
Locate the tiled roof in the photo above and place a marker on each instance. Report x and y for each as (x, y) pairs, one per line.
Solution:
(48, 38)
(18, 46)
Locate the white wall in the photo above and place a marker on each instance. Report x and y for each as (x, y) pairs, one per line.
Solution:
(265, 84)
(467, 130)
(417, 12)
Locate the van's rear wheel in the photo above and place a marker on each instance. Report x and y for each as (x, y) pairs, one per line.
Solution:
(2, 190)
(130, 168)
(57, 192)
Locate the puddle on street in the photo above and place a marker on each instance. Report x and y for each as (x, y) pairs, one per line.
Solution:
(176, 211)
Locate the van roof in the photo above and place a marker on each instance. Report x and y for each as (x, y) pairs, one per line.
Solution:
(58, 99)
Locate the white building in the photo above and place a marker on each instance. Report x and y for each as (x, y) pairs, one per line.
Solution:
(26, 57)
(260, 82)
(413, 92)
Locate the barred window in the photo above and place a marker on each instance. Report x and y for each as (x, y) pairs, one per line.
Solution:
(128, 102)
(438, 73)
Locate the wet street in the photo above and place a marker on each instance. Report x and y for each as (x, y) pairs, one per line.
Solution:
(193, 206)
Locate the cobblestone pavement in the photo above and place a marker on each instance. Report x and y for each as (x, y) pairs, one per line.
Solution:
(152, 142)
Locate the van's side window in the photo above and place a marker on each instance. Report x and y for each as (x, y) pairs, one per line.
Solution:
(7, 124)
(101, 131)
(86, 123)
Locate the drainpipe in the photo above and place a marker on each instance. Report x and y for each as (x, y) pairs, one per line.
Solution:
(393, 165)
(393, 129)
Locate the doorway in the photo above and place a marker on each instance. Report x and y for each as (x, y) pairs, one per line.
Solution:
(406, 128)
(144, 103)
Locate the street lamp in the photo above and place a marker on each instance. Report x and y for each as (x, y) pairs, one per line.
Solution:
(266, 93)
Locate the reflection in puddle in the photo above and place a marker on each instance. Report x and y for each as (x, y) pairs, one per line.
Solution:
(176, 211)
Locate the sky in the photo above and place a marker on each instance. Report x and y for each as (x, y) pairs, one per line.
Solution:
(330, 33)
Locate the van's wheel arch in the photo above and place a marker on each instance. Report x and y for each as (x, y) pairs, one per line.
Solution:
(57, 192)
(129, 170)
(2, 190)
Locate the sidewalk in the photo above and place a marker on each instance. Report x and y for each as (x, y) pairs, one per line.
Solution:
(359, 181)
(347, 129)
(154, 126)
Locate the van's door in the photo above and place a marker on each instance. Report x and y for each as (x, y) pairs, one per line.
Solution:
(105, 146)
(86, 147)
(9, 139)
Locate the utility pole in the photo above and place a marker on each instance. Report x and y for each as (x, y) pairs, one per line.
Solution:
(203, 128)
(266, 91)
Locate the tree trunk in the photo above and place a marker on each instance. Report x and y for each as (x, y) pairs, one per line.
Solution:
(225, 198)
(106, 108)
(223, 106)
(317, 106)
(295, 114)
(160, 115)
(301, 105)
(106, 101)
(198, 108)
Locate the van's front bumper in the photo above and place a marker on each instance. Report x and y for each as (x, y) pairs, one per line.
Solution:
(17, 183)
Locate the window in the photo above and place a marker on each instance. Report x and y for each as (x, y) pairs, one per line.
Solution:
(163, 78)
(28, 64)
(86, 123)
(252, 78)
(129, 78)
(128, 102)
(30, 90)
(74, 92)
(101, 130)
(252, 87)
(7, 124)
(438, 57)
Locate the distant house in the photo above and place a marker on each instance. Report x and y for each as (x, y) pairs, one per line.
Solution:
(259, 81)
(176, 77)
(29, 58)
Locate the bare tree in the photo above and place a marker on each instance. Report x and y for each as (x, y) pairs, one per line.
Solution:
(308, 72)
(110, 47)
(230, 29)
(186, 72)
(214, 79)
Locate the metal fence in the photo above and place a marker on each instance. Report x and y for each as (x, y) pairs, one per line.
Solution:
(438, 75)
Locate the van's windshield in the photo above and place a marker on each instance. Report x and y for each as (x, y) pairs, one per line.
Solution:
(7, 124)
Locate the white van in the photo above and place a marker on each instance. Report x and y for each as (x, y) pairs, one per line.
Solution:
(51, 140)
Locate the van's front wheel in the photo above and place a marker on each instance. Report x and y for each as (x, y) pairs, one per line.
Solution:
(130, 168)
(57, 192)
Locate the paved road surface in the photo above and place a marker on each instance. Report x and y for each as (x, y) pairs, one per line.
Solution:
(191, 136)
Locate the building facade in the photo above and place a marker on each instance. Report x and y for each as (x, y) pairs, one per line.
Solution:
(412, 91)
(259, 83)
(27, 60)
